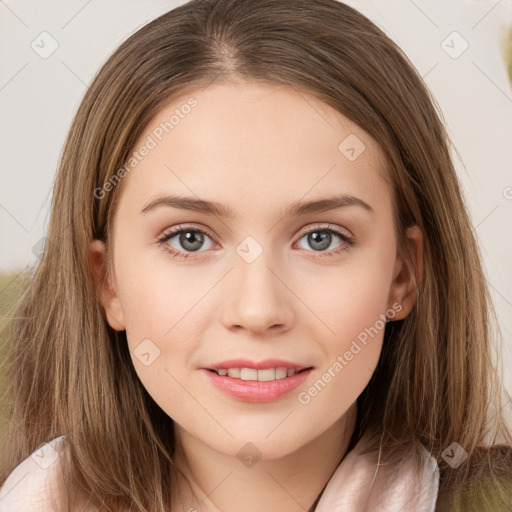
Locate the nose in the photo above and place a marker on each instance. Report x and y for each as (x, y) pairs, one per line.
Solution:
(258, 298)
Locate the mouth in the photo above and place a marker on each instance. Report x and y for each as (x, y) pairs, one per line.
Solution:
(257, 385)
(261, 375)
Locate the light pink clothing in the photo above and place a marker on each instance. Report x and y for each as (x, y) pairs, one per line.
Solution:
(350, 488)
(31, 485)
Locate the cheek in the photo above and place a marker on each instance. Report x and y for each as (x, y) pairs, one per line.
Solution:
(157, 297)
(165, 311)
(351, 304)
(356, 319)
(353, 308)
(353, 296)
(158, 312)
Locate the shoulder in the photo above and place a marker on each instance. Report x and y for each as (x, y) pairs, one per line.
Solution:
(31, 487)
(364, 481)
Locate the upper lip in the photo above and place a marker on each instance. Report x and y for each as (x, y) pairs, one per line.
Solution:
(260, 365)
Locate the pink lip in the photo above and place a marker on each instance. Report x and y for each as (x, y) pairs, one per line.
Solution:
(262, 365)
(256, 391)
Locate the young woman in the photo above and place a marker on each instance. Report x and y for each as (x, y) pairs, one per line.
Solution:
(261, 288)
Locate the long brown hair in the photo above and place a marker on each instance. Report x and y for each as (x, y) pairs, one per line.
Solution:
(70, 373)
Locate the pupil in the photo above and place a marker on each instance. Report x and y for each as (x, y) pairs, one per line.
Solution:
(318, 239)
(194, 238)
(322, 239)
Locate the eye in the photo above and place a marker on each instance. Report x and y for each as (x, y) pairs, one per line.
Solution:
(181, 240)
(320, 239)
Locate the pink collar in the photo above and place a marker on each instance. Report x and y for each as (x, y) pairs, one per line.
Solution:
(350, 488)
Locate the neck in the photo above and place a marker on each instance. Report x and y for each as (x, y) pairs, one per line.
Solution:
(292, 483)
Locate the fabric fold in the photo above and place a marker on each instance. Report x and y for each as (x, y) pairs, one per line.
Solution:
(361, 484)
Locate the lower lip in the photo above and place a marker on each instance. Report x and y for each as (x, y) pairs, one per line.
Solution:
(257, 391)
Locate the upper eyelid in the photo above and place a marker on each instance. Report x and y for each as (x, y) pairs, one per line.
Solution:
(171, 232)
(329, 227)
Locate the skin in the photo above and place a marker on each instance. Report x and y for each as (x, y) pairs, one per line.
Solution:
(256, 148)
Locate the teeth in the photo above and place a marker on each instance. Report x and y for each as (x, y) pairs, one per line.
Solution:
(248, 374)
(281, 373)
(234, 372)
(260, 375)
(266, 375)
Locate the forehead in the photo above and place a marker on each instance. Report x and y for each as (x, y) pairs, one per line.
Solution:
(246, 141)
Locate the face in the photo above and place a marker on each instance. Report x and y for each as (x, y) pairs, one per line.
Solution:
(287, 275)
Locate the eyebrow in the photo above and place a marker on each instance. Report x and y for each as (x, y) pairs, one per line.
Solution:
(295, 208)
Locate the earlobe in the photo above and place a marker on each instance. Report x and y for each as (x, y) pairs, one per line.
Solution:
(407, 278)
(106, 290)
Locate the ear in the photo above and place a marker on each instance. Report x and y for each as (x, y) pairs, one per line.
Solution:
(105, 287)
(406, 280)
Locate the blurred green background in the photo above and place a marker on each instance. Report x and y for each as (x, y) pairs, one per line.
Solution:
(11, 287)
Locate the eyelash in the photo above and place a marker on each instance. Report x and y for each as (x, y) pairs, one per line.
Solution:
(166, 236)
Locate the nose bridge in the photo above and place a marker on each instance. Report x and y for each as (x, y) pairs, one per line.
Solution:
(257, 298)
